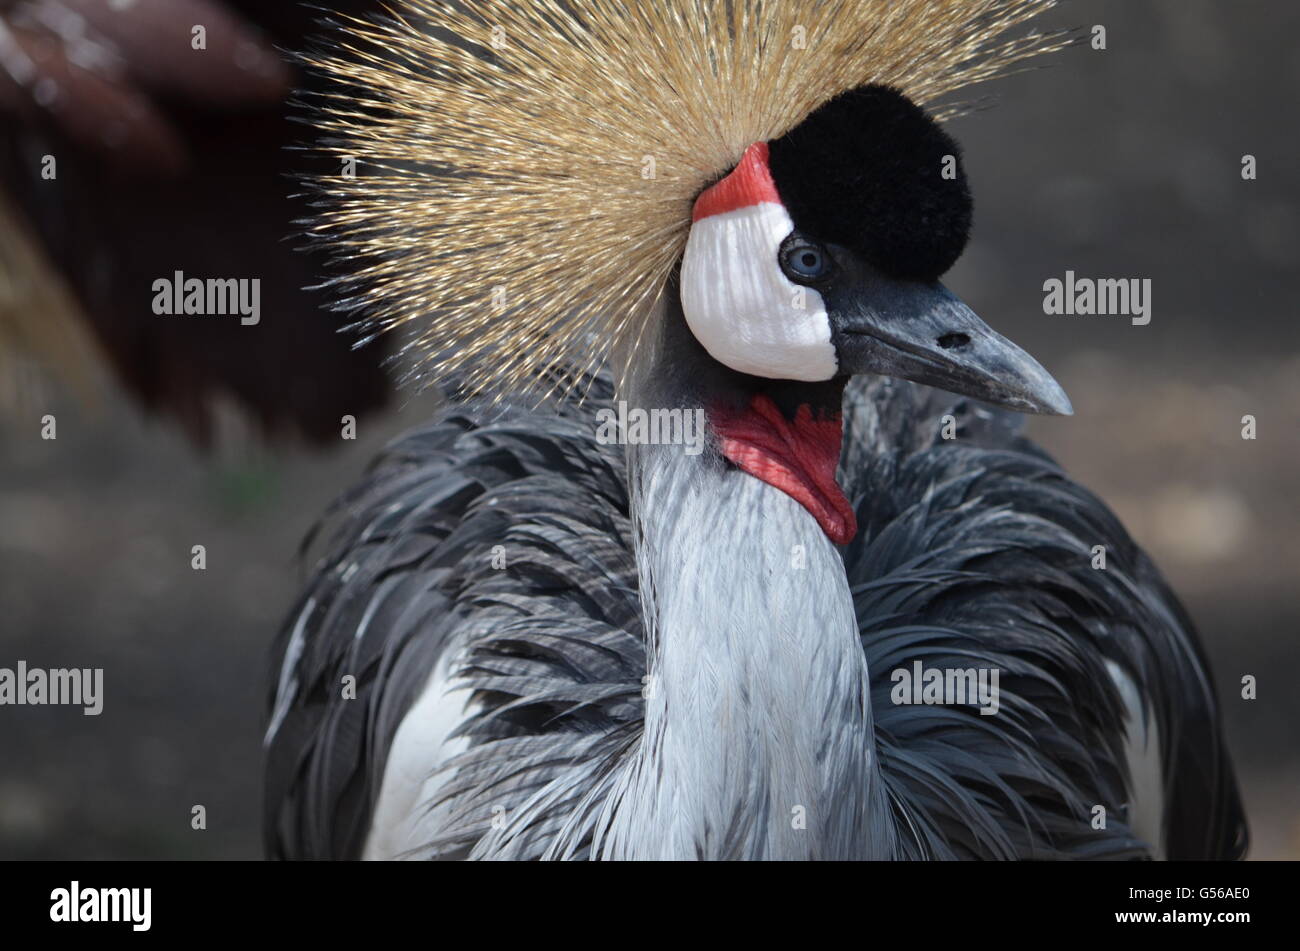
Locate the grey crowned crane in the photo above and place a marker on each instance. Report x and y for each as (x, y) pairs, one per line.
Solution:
(525, 639)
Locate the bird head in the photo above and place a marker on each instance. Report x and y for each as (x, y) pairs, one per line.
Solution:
(520, 188)
(819, 256)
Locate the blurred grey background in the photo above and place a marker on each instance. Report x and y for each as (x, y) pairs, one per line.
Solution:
(1117, 163)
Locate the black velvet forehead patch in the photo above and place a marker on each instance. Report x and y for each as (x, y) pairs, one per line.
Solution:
(866, 170)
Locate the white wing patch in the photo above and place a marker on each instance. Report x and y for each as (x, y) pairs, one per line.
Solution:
(403, 822)
(1142, 750)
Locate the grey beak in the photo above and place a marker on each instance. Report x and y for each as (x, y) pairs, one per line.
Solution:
(924, 333)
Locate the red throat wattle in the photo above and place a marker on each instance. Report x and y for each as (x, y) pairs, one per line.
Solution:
(798, 457)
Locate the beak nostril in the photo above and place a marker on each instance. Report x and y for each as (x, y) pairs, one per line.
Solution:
(953, 341)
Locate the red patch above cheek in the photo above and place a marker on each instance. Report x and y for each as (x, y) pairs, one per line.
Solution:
(798, 457)
(749, 183)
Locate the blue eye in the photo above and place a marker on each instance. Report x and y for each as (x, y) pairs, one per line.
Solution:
(804, 261)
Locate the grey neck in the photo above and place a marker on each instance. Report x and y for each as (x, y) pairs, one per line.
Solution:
(758, 739)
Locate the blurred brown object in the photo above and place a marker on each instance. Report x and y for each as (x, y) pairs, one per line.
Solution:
(40, 320)
(130, 154)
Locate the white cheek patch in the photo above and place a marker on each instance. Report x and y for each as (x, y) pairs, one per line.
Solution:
(742, 308)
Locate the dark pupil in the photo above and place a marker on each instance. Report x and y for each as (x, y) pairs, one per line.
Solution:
(808, 261)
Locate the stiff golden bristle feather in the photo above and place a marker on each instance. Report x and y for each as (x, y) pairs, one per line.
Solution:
(525, 170)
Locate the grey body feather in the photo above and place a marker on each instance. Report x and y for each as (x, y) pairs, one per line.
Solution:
(627, 715)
